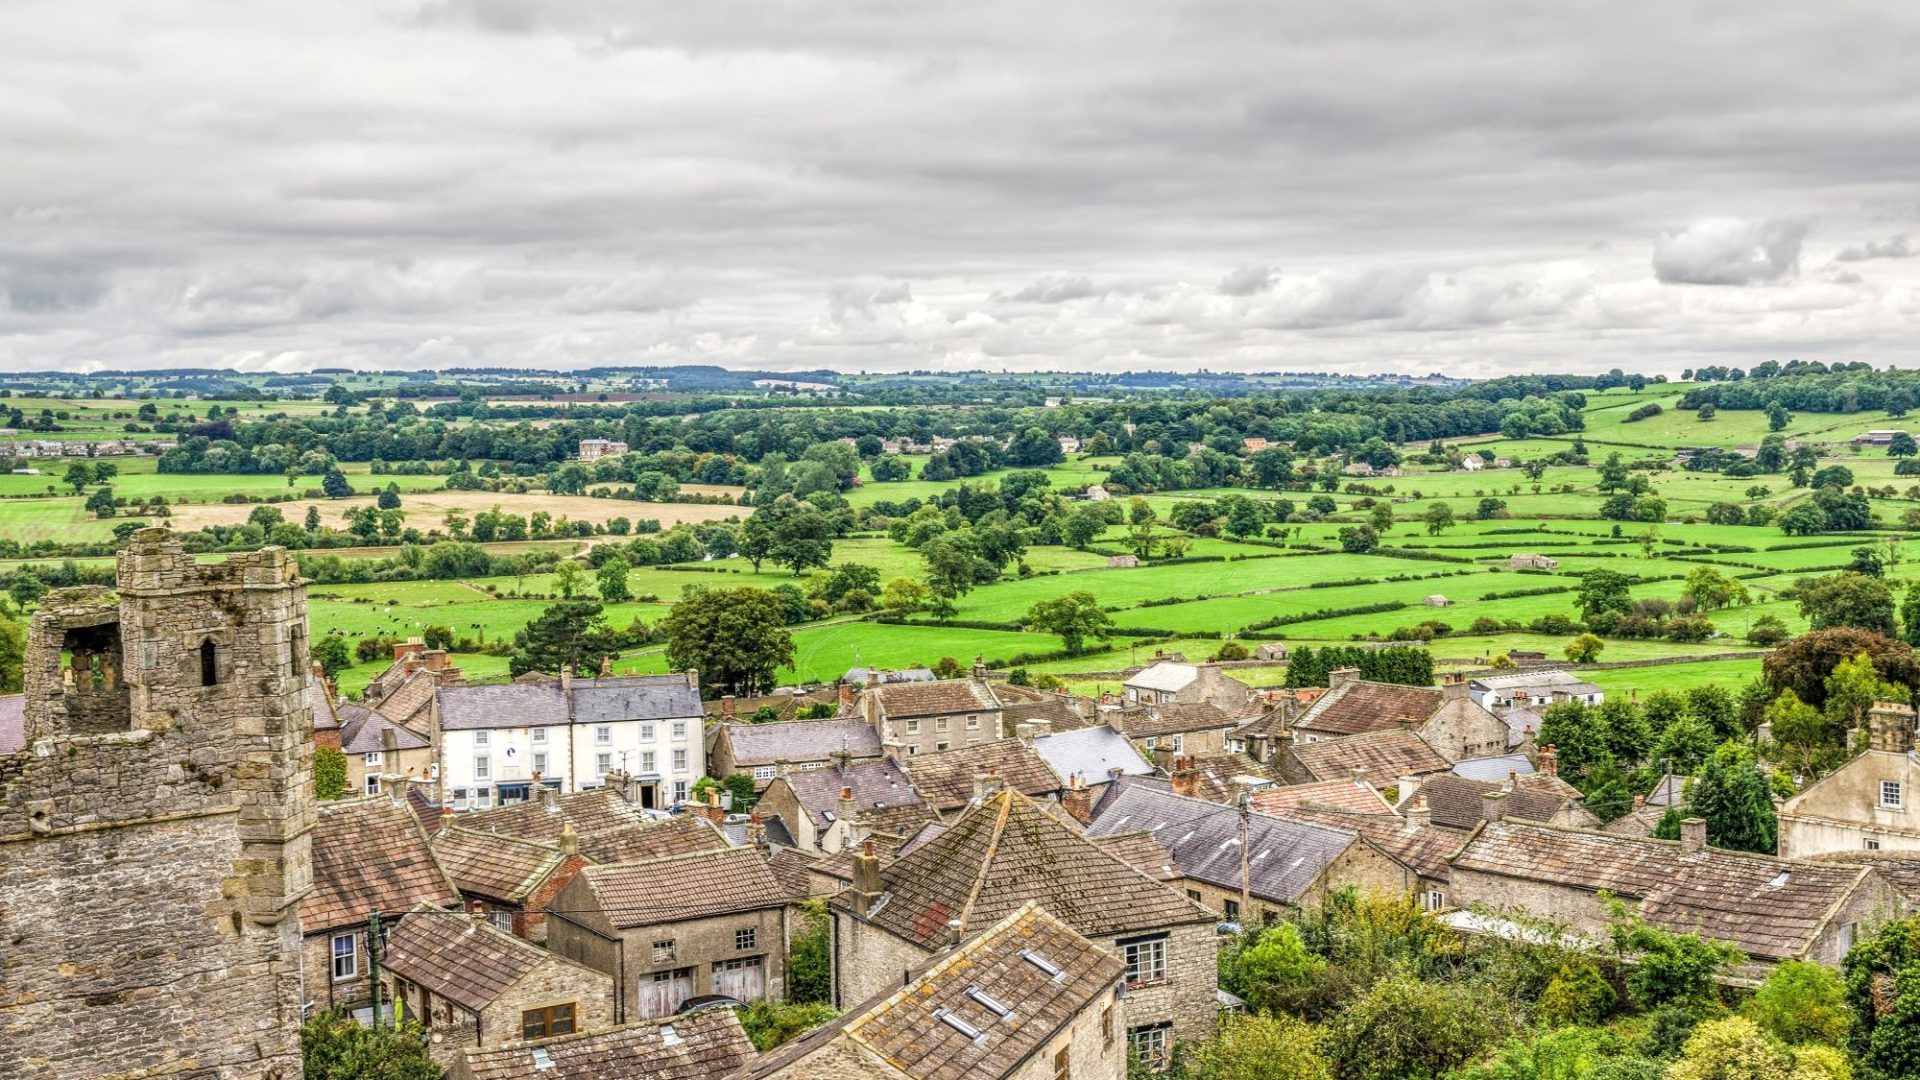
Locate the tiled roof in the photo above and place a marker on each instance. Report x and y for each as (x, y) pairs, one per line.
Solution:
(1218, 773)
(906, 1029)
(790, 868)
(859, 676)
(1901, 869)
(1175, 719)
(1422, 849)
(1141, 851)
(903, 821)
(786, 705)
(1771, 908)
(1059, 714)
(1284, 857)
(13, 722)
(1457, 802)
(1352, 796)
(876, 785)
(701, 1045)
(1382, 757)
(500, 867)
(459, 957)
(1357, 708)
(945, 779)
(1009, 850)
(801, 740)
(944, 697)
(1640, 821)
(1670, 790)
(370, 855)
(546, 816)
(1164, 676)
(1088, 753)
(409, 699)
(653, 840)
(651, 697)
(684, 887)
(1520, 724)
(363, 733)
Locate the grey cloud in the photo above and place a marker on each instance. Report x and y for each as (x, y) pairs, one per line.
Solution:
(1248, 280)
(1728, 251)
(1893, 247)
(515, 181)
(1055, 290)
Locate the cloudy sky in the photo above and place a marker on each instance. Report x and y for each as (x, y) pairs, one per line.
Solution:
(1467, 187)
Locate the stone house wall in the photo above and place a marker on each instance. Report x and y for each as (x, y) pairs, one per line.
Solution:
(451, 1030)
(1842, 812)
(530, 920)
(697, 944)
(154, 832)
(316, 960)
(417, 762)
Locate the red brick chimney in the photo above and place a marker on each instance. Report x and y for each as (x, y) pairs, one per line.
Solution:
(711, 808)
(409, 647)
(727, 706)
(1186, 778)
(1549, 760)
(1077, 800)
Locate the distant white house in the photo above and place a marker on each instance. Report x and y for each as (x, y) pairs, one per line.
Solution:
(1531, 689)
(1533, 561)
(1472, 463)
(1096, 493)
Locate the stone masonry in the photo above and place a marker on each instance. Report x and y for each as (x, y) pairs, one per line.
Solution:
(154, 829)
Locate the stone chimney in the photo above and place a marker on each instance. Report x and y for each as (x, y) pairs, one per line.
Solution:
(693, 679)
(842, 760)
(1420, 816)
(979, 668)
(396, 787)
(1549, 762)
(866, 879)
(1493, 806)
(1342, 676)
(756, 832)
(727, 706)
(846, 695)
(1890, 727)
(409, 648)
(1077, 800)
(542, 793)
(606, 668)
(1029, 730)
(1408, 786)
(1407, 722)
(1453, 686)
(984, 786)
(436, 659)
(1693, 834)
(847, 809)
(446, 818)
(711, 807)
(566, 681)
(1164, 759)
(569, 843)
(1186, 778)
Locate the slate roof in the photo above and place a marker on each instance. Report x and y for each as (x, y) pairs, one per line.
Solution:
(1007, 851)
(904, 1027)
(646, 697)
(1771, 908)
(1457, 802)
(1285, 856)
(943, 697)
(507, 705)
(945, 779)
(860, 676)
(698, 1046)
(546, 816)
(1382, 757)
(1353, 796)
(1493, 768)
(499, 867)
(1520, 723)
(1164, 676)
(1059, 714)
(1176, 719)
(876, 785)
(1422, 849)
(370, 855)
(1670, 790)
(786, 705)
(1088, 753)
(13, 722)
(801, 740)
(684, 887)
(459, 957)
(1901, 869)
(1359, 707)
(654, 840)
(409, 699)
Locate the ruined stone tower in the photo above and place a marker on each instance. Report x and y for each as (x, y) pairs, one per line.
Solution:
(154, 831)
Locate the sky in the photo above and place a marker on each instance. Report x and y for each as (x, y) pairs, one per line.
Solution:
(1471, 188)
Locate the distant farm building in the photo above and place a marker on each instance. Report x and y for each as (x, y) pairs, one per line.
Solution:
(1532, 561)
(595, 449)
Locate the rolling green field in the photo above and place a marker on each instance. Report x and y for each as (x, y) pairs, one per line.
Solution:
(1230, 586)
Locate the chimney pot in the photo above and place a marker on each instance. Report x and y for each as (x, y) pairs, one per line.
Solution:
(1493, 806)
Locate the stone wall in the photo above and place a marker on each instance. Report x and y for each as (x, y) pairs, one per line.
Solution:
(154, 830)
(1188, 997)
(452, 1030)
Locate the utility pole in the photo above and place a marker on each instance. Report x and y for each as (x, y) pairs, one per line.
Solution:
(373, 963)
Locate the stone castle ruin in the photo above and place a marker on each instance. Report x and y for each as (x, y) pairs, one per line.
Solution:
(154, 830)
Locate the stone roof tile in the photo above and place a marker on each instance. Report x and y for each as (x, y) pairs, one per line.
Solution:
(684, 887)
(370, 855)
(698, 1046)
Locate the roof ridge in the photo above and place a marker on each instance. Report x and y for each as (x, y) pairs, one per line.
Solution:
(489, 834)
(683, 856)
(966, 948)
(986, 862)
